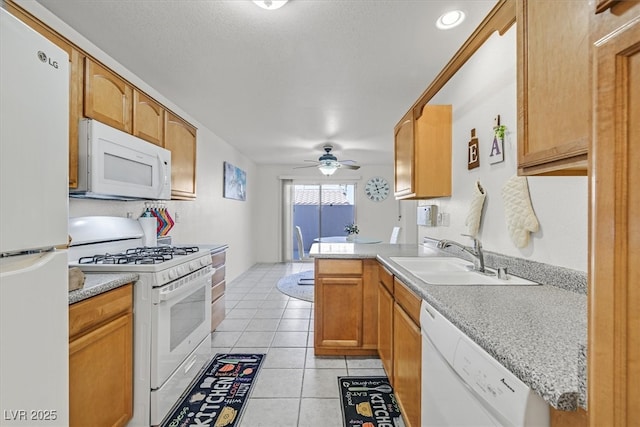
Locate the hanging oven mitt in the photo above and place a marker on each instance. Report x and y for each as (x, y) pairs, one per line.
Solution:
(475, 210)
(521, 219)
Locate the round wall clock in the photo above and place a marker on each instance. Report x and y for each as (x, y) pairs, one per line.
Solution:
(377, 189)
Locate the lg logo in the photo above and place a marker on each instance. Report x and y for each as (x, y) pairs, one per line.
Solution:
(43, 57)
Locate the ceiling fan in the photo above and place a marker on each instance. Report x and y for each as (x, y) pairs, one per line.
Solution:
(328, 163)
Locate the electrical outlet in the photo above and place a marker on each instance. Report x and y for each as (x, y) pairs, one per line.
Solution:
(446, 219)
(129, 215)
(176, 217)
(443, 219)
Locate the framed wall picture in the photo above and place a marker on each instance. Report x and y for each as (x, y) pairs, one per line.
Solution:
(235, 182)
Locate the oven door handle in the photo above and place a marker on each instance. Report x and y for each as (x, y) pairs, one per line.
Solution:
(169, 292)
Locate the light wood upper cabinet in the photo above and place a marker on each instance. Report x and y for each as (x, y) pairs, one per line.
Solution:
(107, 97)
(148, 118)
(97, 92)
(404, 155)
(423, 153)
(554, 87)
(180, 139)
(76, 67)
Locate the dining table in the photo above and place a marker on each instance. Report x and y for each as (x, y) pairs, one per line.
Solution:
(347, 239)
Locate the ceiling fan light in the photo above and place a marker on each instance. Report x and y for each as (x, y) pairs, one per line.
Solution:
(327, 169)
(270, 4)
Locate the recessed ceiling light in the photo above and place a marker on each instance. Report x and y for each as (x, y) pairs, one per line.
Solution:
(450, 19)
(270, 4)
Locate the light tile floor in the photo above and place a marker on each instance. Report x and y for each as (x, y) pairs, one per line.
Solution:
(293, 387)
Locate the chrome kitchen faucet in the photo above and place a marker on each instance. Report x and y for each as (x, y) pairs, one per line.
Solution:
(476, 252)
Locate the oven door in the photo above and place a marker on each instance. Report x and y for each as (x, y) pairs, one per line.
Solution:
(181, 319)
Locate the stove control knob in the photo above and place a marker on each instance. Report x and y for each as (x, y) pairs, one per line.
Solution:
(193, 265)
(204, 261)
(172, 274)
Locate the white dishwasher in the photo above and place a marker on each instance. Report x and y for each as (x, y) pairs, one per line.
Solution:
(462, 385)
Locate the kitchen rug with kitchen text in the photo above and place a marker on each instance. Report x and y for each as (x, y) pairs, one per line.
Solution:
(217, 397)
(369, 402)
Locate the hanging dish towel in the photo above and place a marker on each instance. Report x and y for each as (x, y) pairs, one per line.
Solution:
(475, 210)
(521, 219)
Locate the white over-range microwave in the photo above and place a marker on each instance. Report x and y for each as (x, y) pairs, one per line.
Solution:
(116, 165)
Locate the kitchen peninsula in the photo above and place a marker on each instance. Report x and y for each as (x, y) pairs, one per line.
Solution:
(537, 332)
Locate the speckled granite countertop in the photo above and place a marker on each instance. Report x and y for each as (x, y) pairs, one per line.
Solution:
(537, 332)
(98, 283)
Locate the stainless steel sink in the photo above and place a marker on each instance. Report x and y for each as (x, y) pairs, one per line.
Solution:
(451, 271)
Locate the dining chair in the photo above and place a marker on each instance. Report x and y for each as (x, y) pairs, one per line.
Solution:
(300, 243)
(394, 235)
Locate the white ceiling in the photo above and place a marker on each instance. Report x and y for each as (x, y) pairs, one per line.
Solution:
(278, 85)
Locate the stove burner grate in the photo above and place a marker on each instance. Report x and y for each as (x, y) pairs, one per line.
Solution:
(141, 255)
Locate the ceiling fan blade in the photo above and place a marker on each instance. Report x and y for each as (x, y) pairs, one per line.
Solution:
(302, 167)
(354, 167)
(351, 162)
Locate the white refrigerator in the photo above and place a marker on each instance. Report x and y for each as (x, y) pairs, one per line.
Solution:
(34, 138)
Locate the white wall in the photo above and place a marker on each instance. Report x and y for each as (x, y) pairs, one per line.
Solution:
(483, 88)
(374, 219)
(210, 218)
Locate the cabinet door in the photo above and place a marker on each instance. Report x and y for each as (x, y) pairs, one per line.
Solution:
(100, 375)
(554, 87)
(614, 270)
(148, 118)
(385, 329)
(404, 156)
(423, 153)
(433, 151)
(180, 139)
(107, 97)
(407, 365)
(342, 298)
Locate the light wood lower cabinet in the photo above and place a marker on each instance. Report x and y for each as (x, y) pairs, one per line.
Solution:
(385, 321)
(101, 359)
(407, 353)
(218, 287)
(400, 343)
(346, 307)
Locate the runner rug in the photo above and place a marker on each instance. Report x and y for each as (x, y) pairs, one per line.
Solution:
(217, 396)
(369, 402)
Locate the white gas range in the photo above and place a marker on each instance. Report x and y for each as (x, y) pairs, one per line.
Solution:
(172, 298)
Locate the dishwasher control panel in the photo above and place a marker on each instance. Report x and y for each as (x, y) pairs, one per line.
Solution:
(502, 390)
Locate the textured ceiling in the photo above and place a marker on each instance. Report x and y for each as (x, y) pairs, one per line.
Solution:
(278, 85)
